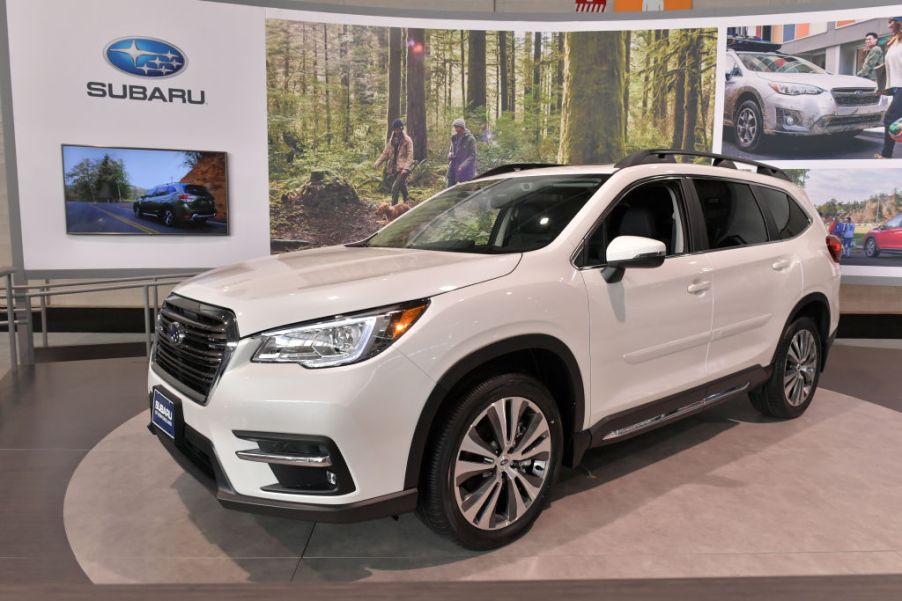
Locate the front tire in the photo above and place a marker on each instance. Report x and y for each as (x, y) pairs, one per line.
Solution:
(749, 126)
(870, 248)
(493, 462)
(796, 372)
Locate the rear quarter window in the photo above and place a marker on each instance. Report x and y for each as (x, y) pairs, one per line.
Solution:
(790, 219)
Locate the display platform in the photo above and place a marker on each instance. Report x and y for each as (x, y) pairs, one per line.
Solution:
(725, 493)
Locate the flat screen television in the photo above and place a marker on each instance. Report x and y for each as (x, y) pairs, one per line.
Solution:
(145, 191)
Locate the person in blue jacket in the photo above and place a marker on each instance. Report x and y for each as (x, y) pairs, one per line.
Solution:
(848, 235)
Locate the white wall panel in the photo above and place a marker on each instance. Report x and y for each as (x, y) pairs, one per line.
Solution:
(57, 47)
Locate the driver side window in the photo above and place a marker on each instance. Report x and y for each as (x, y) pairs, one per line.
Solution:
(651, 210)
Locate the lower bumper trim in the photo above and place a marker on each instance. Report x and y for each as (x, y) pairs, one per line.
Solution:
(202, 464)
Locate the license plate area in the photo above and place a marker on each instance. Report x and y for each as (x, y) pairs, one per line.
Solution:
(163, 413)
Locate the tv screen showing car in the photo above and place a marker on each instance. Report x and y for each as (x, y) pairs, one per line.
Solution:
(145, 192)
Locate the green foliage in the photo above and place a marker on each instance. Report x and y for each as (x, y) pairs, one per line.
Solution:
(98, 181)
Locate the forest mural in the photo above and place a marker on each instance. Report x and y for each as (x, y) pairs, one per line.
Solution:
(334, 92)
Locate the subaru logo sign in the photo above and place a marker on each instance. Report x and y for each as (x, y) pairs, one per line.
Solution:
(145, 57)
(176, 333)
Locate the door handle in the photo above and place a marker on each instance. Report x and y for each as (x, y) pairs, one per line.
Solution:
(698, 287)
(781, 264)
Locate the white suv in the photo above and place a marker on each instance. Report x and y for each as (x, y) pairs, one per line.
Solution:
(453, 361)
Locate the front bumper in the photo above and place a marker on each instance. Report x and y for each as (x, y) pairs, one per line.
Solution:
(369, 411)
(812, 115)
(197, 457)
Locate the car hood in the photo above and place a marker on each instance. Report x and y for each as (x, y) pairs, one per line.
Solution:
(826, 81)
(283, 289)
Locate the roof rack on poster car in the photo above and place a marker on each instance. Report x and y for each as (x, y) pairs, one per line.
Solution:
(647, 157)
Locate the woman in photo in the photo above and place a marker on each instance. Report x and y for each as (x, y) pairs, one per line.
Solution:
(893, 62)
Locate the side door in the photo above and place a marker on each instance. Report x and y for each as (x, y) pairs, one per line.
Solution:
(649, 332)
(758, 277)
(891, 236)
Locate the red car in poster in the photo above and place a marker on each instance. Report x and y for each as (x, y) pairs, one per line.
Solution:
(886, 238)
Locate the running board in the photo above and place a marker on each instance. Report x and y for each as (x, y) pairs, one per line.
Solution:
(663, 418)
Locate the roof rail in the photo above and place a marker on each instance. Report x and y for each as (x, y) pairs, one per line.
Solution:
(659, 155)
(514, 167)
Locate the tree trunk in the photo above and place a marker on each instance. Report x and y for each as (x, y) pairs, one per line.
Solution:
(527, 68)
(326, 82)
(594, 77)
(304, 59)
(503, 74)
(345, 70)
(416, 91)
(693, 82)
(286, 57)
(395, 43)
(626, 88)
(512, 101)
(463, 71)
(476, 94)
(315, 88)
(537, 69)
(559, 73)
(659, 102)
(679, 98)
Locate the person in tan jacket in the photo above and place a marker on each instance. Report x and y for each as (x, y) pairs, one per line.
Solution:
(398, 159)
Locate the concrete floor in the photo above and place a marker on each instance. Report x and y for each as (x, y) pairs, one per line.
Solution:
(726, 493)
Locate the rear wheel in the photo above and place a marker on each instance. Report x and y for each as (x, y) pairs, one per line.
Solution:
(493, 463)
(870, 248)
(168, 217)
(796, 371)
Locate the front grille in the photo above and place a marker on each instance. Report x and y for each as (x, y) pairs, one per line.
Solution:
(193, 344)
(855, 96)
(853, 120)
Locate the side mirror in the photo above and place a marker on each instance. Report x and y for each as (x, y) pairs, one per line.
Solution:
(728, 75)
(633, 252)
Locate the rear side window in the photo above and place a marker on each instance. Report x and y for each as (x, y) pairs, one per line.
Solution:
(790, 219)
(196, 190)
(732, 216)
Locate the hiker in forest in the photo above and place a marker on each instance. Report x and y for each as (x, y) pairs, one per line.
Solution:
(398, 159)
(461, 155)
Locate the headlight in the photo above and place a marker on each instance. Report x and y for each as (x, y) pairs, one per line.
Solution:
(794, 89)
(341, 340)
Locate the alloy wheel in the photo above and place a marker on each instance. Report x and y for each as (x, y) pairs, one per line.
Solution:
(168, 217)
(801, 368)
(746, 127)
(502, 463)
(870, 247)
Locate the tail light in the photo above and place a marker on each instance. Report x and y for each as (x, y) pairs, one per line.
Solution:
(834, 245)
(184, 197)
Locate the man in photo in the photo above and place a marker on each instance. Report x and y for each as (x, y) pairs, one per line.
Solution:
(398, 157)
(873, 59)
(848, 235)
(461, 155)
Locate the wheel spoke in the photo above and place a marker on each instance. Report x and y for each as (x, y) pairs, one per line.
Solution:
(518, 407)
(534, 431)
(532, 484)
(497, 415)
(491, 507)
(516, 504)
(472, 503)
(475, 445)
(539, 451)
(464, 470)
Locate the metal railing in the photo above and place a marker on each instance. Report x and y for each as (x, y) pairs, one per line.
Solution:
(20, 297)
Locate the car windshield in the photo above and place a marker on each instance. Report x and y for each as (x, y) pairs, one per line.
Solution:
(492, 216)
(777, 63)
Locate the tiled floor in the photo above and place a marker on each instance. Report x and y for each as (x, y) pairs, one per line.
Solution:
(726, 493)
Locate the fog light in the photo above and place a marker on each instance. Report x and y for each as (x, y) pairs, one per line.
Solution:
(331, 478)
(789, 118)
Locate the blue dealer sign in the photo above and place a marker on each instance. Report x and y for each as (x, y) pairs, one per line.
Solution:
(145, 57)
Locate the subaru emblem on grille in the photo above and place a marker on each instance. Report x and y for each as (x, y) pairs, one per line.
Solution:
(176, 333)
